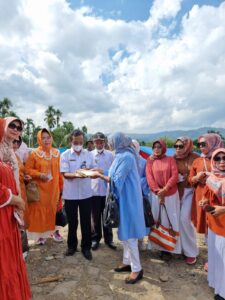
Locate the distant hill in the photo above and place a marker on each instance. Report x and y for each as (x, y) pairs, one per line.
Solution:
(193, 133)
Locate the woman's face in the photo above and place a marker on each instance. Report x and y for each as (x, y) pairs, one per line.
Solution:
(219, 161)
(16, 144)
(157, 149)
(179, 147)
(203, 146)
(46, 139)
(13, 130)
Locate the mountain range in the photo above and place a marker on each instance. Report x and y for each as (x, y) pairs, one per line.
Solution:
(192, 133)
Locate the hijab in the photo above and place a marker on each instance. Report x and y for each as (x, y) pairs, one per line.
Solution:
(216, 179)
(43, 151)
(214, 141)
(8, 154)
(188, 147)
(121, 143)
(163, 147)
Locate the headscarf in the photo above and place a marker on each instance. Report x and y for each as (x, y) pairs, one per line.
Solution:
(136, 146)
(188, 147)
(163, 147)
(216, 179)
(121, 143)
(7, 151)
(43, 151)
(214, 141)
(2, 129)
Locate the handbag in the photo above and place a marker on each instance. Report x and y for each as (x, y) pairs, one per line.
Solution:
(61, 218)
(163, 236)
(111, 217)
(32, 191)
(149, 220)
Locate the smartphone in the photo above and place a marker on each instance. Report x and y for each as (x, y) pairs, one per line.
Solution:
(209, 208)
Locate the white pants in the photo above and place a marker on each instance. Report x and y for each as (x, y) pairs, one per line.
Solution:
(187, 230)
(216, 262)
(131, 255)
(172, 204)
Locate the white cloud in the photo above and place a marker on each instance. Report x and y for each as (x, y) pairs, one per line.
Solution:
(114, 75)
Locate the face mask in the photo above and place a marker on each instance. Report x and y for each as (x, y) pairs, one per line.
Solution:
(77, 148)
(100, 151)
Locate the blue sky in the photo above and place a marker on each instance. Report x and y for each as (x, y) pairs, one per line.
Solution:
(129, 10)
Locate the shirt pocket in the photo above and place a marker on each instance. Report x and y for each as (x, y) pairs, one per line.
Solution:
(72, 166)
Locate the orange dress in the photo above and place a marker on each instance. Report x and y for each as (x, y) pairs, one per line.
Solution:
(13, 278)
(42, 214)
(198, 214)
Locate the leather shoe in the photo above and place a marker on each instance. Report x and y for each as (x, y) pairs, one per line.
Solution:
(123, 269)
(94, 245)
(70, 251)
(129, 280)
(87, 254)
(111, 245)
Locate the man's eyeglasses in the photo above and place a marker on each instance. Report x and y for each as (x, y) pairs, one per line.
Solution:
(202, 144)
(178, 146)
(14, 126)
(219, 158)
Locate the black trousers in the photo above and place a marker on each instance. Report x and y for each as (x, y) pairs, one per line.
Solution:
(97, 207)
(71, 207)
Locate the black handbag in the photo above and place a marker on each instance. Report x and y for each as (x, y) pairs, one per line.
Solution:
(149, 220)
(111, 216)
(61, 218)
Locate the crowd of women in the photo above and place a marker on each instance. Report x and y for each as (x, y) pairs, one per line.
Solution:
(186, 192)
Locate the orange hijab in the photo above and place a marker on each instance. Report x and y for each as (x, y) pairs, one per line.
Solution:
(43, 151)
(163, 146)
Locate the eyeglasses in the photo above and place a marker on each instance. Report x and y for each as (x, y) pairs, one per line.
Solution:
(14, 126)
(157, 147)
(16, 142)
(219, 158)
(202, 144)
(178, 146)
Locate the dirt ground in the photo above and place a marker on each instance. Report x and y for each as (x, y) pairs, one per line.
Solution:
(80, 279)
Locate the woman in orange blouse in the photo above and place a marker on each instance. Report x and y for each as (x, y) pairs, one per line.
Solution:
(214, 204)
(198, 174)
(43, 166)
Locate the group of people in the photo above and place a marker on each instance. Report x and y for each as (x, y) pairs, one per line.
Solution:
(187, 191)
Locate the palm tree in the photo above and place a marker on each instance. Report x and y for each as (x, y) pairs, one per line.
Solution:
(29, 131)
(58, 114)
(50, 117)
(5, 105)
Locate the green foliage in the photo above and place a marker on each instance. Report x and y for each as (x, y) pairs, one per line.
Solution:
(5, 106)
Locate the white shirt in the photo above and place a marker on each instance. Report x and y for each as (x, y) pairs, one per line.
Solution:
(23, 152)
(103, 161)
(78, 188)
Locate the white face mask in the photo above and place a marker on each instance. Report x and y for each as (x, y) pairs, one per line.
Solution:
(77, 148)
(100, 151)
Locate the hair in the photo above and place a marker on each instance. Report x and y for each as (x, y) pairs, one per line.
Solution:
(76, 132)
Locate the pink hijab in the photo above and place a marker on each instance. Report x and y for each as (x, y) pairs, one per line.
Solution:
(163, 145)
(214, 141)
(216, 179)
(188, 147)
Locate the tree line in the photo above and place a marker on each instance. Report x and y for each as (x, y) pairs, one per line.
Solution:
(59, 131)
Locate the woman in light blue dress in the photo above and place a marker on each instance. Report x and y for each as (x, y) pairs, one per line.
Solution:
(126, 180)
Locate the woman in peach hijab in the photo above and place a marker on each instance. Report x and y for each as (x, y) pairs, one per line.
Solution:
(43, 166)
(198, 175)
(184, 157)
(13, 278)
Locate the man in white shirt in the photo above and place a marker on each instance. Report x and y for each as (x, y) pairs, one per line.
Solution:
(103, 160)
(77, 192)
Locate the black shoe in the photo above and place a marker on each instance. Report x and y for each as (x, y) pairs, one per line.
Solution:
(94, 245)
(129, 280)
(87, 254)
(218, 297)
(70, 251)
(123, 269)
(111, 245)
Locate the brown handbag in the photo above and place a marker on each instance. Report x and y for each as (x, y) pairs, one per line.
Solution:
(32, 190)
